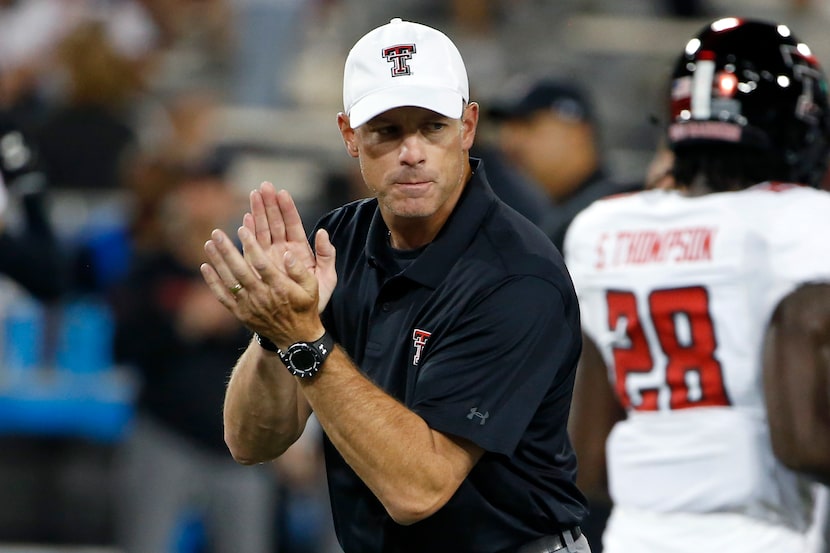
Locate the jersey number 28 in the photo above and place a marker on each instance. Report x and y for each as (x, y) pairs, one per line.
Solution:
(685, 334)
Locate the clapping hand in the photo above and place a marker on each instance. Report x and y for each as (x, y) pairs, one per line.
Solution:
(275, 221)
(276, 286)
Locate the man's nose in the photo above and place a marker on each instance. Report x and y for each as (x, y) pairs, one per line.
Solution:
(412, 150)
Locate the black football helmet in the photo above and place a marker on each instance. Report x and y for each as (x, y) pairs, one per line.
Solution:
(753, 83)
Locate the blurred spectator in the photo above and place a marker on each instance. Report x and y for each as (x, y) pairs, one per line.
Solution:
(86, 139)
(50, 477)
(33, 32)
(266, 35)
(548, 131)
(29, 32)
(509, 184)
(509, 181)
(177, 473)
(177, 131)
(183, 129)
(30, 254)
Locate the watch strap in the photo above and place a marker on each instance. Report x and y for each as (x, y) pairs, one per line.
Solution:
(324, 345)
(267, 344)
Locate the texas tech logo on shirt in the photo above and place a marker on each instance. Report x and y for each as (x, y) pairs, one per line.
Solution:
(419, 340)
(398, 56)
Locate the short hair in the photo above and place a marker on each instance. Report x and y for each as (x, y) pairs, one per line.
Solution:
(725, 167)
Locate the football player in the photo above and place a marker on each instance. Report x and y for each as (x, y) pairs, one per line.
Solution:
(703, 386)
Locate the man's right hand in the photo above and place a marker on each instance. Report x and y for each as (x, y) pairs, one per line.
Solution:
(276, 223)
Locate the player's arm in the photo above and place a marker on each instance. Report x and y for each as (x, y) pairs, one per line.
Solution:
(797, 380)
(594, 412)
(264, 411)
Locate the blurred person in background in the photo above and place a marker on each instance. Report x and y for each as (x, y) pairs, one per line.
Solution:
(548, 131)
(45, 471)
(265, 38)
(29, 33)
(86, 135)
(33, 50)
(176, 473)
(509, 182)
(701, 398)
(78, 70)
(30, 253)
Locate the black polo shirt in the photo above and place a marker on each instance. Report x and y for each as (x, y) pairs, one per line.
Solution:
(480, 336)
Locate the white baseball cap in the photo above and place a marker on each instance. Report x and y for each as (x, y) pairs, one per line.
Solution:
(403, 64)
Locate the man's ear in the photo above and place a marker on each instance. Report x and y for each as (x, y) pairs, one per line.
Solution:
(469, 124)
(348, 134)
(351, 147)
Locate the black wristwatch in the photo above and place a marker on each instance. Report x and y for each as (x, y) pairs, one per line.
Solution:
(302, 359)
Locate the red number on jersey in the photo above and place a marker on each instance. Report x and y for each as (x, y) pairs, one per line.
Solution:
(685, 334)
(636, 357)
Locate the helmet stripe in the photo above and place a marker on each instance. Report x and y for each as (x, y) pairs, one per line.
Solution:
(702, 89)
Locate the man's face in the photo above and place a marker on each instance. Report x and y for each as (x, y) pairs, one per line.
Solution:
(550, 149)
(536, 143)
(414, 160)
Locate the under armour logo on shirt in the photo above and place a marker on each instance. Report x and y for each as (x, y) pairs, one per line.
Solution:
(474, 412)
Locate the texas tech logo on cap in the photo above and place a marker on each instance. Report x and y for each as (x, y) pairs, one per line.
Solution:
(419, 340)
(398, 56)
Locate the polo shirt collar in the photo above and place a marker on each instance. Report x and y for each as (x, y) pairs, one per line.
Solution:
(458, 232)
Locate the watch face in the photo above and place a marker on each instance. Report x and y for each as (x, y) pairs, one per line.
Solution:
(302, 359)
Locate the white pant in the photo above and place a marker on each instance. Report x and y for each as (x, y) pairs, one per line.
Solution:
(579, 546)
(635, 531)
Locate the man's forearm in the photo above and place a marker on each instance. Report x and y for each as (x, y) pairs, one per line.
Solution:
(264, 410)
(410, 468)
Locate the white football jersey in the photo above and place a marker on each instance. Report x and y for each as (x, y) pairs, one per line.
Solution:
(676, 292)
